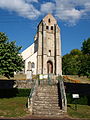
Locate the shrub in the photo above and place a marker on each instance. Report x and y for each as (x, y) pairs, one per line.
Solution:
(14, 92)
(23, 93)
(83, 100)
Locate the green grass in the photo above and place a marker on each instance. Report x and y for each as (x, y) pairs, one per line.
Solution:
(16, 107)
(13, 107)
(83, 111)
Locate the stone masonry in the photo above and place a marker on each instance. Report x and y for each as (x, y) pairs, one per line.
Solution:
(49, 47)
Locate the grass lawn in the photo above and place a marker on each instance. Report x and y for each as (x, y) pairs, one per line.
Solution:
(83, 111)
(13, 107)
(16, 107)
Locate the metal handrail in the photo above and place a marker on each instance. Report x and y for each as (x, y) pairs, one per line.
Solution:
(32, 95)
(62, 92)
(32, 89)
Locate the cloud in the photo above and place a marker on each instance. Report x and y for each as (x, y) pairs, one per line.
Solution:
(48, 7)
(30, 1)
(21, 7)
(69, 11)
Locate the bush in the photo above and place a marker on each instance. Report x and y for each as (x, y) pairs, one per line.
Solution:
(23, 93)
(83, 100)
(14, 92)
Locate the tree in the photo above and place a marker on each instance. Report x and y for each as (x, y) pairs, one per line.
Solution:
(84, 65)
(78, 61)
(75, 52)
(10, 59)
(86, 47)
(70, 64)
(85, 58)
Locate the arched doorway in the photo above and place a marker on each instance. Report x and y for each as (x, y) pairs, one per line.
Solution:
(49, 67)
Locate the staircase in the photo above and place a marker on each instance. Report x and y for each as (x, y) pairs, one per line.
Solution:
(47, 101)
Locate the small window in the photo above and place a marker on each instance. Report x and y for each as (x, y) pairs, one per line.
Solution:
(49, 20)
(47, 27)
(49, 52)
(51, 27)
(33, 65)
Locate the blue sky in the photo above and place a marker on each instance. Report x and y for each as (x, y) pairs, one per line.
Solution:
(19, 20)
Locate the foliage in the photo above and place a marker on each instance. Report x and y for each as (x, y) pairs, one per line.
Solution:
(70, 64)
(77, 62)
(83, 100)
(10, 59)
(84, 65)
(14, 92)
(23, 93)
(86, 47)
(75, 52)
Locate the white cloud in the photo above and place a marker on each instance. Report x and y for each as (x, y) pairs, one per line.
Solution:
(47, 7)
(69, 11)
(72, 10)
(29, 1)
(21, 7)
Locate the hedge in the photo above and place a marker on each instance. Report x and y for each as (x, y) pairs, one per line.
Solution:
(82, 100)
(14, 92)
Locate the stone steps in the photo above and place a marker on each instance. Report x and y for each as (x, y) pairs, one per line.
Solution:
(48, 106)
(47, 101)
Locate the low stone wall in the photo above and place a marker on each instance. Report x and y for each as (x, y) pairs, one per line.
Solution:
(23, 83)
(5, 84)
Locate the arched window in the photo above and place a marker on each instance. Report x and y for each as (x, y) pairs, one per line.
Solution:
(49, 20)
(51, 27)
(33, 65)
(47, 27)
(29, 65)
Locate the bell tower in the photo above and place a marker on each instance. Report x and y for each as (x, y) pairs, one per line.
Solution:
(49, 47)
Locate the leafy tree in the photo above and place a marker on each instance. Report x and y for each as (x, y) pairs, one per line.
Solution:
(78, 62)
(10, 58)
(75, 52)
(86, 47)
(85, 58)
(84, 65)
(70, 64)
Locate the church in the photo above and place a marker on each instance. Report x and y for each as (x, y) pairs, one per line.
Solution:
(44, 55)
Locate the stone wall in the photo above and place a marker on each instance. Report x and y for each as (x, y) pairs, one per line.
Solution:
(5, 84)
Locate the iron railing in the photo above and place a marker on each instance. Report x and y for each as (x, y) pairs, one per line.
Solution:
(32, 94)
(62, 93)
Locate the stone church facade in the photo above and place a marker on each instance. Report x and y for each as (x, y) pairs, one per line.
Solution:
(44, 55)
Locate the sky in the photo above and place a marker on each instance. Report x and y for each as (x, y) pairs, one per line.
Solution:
(19, 20)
